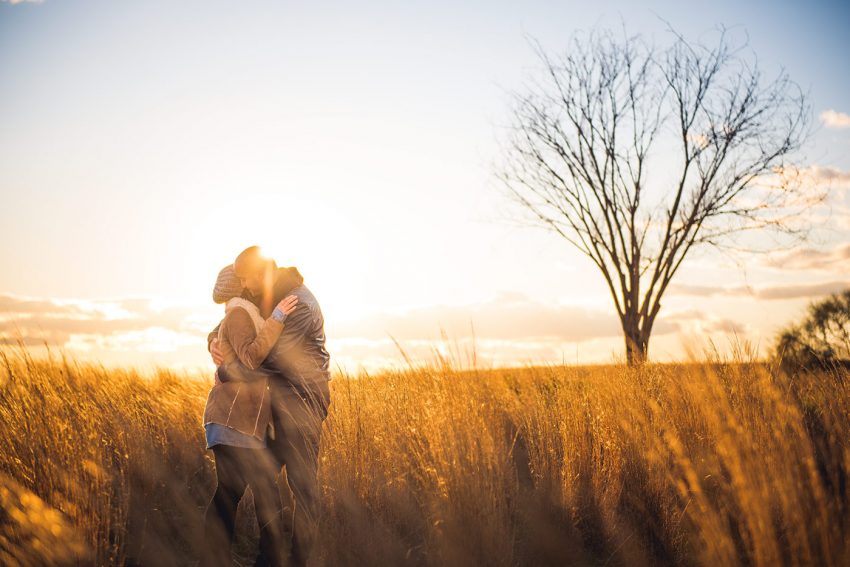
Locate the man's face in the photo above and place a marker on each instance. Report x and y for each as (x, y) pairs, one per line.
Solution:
(253, 282)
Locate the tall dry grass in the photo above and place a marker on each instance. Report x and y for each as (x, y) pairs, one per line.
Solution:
(719, 463)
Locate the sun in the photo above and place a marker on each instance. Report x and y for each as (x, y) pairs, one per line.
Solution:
(318, 239)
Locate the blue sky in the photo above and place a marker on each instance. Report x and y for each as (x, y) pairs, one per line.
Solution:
(144, 144)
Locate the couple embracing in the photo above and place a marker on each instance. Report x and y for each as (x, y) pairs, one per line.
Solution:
(266, 408)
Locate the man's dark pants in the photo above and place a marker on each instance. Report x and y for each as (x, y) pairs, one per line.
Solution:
(237, 468)
(298, 414)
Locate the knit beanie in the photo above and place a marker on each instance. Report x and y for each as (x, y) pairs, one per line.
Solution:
(227, 285)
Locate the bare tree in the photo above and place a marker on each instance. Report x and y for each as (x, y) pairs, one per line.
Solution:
(635, 155)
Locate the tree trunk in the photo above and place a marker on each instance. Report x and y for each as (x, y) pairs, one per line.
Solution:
(637, 342)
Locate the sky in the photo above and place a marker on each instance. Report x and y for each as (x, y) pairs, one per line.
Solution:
(145, 144)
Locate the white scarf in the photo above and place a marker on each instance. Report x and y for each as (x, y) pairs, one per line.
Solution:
(252, 310)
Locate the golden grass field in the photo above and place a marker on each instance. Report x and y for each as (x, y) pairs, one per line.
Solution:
(717, 463)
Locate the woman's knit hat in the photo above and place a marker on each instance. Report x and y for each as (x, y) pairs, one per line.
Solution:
(227, 285)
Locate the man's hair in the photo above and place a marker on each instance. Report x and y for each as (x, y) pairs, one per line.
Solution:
(251, 260)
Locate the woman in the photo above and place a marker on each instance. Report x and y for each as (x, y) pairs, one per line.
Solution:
(236, 420)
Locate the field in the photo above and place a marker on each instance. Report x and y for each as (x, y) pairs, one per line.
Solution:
(713, 463)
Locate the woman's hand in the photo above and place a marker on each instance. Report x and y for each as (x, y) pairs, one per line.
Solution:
(287, 304)
(215, 352)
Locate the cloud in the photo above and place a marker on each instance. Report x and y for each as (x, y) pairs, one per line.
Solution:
(510, 316)
(507, 317)
(775, 292)
(27, 306)
(822, 177)
(836, 259)
(725, 325)
(481, 352)
(824, 202)
(506, 330)
(150, 340)
(803, 290)
(825, 175)
(13, 2)
(696, 321)
(835, 119)
(701, 290)
(115, 323)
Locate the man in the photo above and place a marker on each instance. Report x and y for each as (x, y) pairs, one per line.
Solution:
(298, 370)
